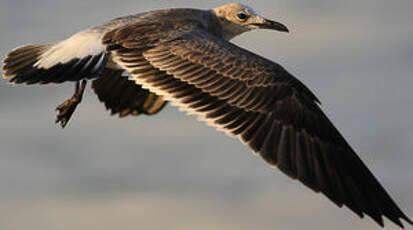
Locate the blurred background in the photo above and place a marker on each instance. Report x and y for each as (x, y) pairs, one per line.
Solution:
(171, 171)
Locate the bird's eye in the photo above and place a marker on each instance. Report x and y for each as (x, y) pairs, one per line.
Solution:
(242, 16)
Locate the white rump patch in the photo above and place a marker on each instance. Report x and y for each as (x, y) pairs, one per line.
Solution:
(83, 44)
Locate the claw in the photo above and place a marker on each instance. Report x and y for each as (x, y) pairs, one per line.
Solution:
(67, 108)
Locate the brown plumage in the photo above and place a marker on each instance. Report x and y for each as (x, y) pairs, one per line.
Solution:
(184, 56)
(124, 97)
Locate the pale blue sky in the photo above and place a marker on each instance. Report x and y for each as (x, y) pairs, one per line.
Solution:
(172, 171)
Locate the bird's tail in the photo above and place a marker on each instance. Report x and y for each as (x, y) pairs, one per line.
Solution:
(78, 57)
(19, 64)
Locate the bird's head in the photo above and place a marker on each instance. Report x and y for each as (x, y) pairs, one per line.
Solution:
(237, 18)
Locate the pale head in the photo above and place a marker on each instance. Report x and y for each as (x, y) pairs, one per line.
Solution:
(237, 18)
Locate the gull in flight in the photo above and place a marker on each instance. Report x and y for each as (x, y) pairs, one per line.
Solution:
(139, 63)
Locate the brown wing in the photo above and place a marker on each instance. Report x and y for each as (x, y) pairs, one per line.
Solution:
(254, 99)
(124, 97)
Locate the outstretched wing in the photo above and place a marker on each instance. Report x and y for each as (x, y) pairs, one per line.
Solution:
(124, 97)
(254, 99)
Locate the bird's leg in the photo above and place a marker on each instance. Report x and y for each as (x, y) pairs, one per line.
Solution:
(67, 108)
